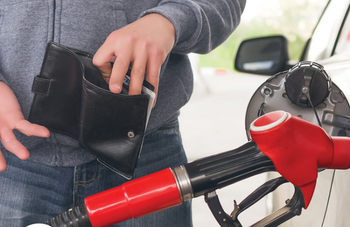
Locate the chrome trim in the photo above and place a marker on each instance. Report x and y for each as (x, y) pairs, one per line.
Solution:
(183, 183)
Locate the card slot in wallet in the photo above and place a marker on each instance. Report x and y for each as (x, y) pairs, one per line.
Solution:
(71, 97)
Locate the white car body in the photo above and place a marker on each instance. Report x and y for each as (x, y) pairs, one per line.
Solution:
(329, 46)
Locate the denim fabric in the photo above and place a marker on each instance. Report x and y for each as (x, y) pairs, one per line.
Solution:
(34, 193)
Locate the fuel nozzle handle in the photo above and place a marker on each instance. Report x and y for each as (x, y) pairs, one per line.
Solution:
(298, 148)
(220, 170)
(170, 187)
(292, 146)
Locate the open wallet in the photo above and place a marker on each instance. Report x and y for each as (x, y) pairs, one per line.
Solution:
(71, 97)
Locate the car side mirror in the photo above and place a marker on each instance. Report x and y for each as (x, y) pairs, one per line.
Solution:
(266, 55)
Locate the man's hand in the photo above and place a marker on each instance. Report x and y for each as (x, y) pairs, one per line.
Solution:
(146, 43)
(11, 118)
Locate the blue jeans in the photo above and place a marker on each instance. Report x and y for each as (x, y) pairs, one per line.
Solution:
(34, 193)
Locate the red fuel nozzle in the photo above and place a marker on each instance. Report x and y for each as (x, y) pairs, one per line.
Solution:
(280, 141)
(134, 199)
(298, 148)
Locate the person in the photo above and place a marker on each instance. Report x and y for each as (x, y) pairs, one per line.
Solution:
(44, 173)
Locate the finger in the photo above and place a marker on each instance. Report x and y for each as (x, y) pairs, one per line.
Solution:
(137, 75)
(153, 71)
(119, 70)
(30, 129)
(2, 162)
(153, 78)
(11, 144)
(102, 60)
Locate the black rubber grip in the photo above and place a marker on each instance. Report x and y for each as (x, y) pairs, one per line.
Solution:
(75, 217)
(217, 171)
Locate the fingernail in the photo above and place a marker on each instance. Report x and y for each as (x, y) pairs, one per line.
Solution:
(115, 88)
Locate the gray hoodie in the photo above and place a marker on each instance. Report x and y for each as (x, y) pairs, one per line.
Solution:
(26, 26)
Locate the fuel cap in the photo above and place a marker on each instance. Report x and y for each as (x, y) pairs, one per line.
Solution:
(307, 82)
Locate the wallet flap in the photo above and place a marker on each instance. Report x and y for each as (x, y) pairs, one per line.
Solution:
(59, 111)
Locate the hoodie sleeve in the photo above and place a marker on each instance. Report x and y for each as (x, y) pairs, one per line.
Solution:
(200, 25)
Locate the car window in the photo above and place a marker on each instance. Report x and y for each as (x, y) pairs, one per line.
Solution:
(343, 44)
(323, 39)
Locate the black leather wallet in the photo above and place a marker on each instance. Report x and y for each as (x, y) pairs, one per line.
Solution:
(71, 97)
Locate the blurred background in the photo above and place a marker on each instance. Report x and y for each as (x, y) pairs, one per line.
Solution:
(269, 17)
(213, 120)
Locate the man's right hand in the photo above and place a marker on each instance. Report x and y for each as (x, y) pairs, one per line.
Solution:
(11, 117)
